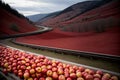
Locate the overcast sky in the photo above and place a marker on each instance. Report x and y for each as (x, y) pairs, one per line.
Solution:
(31, 7)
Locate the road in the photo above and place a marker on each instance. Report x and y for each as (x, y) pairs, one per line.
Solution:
(39, 31)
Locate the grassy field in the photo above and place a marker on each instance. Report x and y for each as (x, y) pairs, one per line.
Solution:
(108, 65)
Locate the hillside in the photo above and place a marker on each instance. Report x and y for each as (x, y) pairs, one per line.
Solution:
(97, 19)
(72, 12)
(104, 43)
(11, 23)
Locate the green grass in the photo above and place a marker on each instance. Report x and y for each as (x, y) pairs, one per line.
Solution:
(108, 65)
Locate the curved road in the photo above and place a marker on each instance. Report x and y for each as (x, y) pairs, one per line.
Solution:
(39, 31)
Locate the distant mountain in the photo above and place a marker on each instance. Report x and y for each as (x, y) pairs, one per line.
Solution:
(50, 15)
(35, 18)
(72, 12)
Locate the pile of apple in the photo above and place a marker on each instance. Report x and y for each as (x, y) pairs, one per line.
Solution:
(32, 67)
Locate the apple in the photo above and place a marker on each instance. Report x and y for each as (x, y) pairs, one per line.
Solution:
(39, 64)
(81, 68)
(26, 75)
(71, 70)
(73, 75)
(42, 78)
(20, 74)
(5, 71)
(49, 73)
(33, 75)
(27, 64)
(61, 77)
(99, 72)
(97, 75)
(14, 64)
(35, 79)
(38, 75)
(32, 71)
(66, 70)
(49, 67)
(48, 78)
(23, 62)
(75, 67)
(106, 76)
(66, 74)
(114, 78)
(60, 71)
(97, 79)
(89, 77)
(44, 70)
(34, 65)
(6, 65)
(80, 78)
(68, 78)
(38, 69)
(55, 75)
(78, 74)
(54, 64)
(30, 79)
(23, 67)
(54, 69)
(28, 67)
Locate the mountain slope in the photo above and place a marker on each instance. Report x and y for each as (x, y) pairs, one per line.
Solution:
(73, 11)
(12, 24)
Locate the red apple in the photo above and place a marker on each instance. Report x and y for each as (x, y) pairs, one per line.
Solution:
(20, 74)
(89, 77)
(99, 72)
(60, 71)
(44, 70)
(42, 78)
(48, 78)
(32, 71)
(81, 68)
(39, 64)
(30, 79)
(38, 69)
(49, 67)
(106, 76)
(49, 73)
(61, 77)
(73, 75)
(55, 75)
(38, 75)
(6, 65)
(54, 69)
(34, 65)
(78, 74)
(80, 78)
(69, 78)
(33, 75)
(97, 79)
(28, 67)
(66, 74)
(26, 75)
(97, 75)
(114, 78)
(23, 67)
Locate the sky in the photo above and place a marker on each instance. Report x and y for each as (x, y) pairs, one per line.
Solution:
(32, 7)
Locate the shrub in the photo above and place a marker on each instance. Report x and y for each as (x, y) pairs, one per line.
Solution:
(14, 27)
